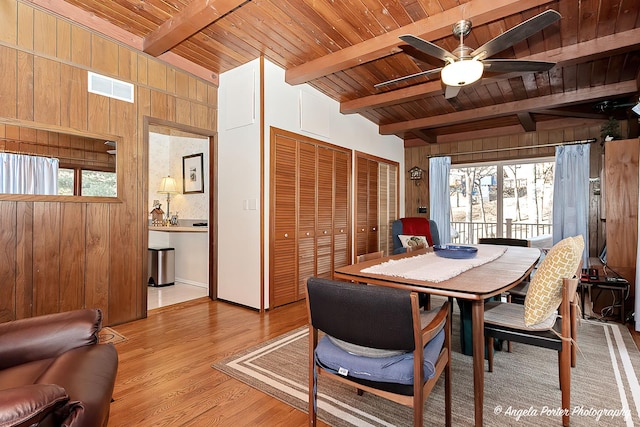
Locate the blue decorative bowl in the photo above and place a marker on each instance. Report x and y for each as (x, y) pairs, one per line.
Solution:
(455, 251)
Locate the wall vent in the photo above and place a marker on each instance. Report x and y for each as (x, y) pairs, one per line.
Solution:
(106, 86)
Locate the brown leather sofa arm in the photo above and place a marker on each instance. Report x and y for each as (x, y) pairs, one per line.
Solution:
(47, 336)
(29, 404)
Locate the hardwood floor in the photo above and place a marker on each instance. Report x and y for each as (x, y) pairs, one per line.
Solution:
(165, 376)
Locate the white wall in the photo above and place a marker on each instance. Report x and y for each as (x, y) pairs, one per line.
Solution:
(300, 109)
(165, 158)
(239, 186)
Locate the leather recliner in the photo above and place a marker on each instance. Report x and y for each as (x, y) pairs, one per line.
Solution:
(53, 371)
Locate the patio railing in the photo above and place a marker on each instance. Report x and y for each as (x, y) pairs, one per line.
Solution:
(470, 232)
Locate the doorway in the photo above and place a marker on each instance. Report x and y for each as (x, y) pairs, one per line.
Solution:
(181, 216)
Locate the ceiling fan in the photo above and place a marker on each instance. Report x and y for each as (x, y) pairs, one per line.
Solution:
(465, 66)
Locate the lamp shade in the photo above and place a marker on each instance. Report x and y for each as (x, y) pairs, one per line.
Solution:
(168, 186)
(461, 73)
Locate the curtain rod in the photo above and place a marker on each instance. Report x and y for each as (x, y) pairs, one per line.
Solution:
(63, 159)
(527, 147)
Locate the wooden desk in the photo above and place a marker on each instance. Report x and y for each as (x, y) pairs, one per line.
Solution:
(474, 285)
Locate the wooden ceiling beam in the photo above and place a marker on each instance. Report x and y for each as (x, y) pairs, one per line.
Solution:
(567, 113)
(197, 15)
(564, 56)
(500, 110)
(527, 122)
(438, 26)
(510, 130)
(74, 14)
(427, 137)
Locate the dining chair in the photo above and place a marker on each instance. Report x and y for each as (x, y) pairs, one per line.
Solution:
(369, 256)
(365, 329)
(546, 319)
(519, 291)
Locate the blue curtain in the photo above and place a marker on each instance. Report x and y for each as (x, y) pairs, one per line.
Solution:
(571, 194)
(439, 199)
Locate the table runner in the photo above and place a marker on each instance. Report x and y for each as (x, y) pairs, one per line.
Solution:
(432, 268)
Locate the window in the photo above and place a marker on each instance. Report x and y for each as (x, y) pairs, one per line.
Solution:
(505, 199)
(85, 182)
(65, 181)
(98, 183)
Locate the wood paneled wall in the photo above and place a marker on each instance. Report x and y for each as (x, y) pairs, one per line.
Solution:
(419, 156)
(60, 255)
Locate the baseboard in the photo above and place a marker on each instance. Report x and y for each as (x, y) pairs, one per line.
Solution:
(193, 283)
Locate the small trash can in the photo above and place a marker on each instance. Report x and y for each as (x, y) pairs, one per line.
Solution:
(162, 266)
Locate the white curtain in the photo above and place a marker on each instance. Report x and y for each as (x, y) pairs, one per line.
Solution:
(571, 194)
(439, 199)
(22, 174)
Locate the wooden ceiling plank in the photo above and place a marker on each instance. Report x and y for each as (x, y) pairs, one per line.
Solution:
(501, 110)
(198, 15)
(564, 56)
(569, 23)
(439, 26)
(588, 24)
(608, 17)
(627, 16)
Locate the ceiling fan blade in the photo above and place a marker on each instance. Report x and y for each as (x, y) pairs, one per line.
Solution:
(514, 65)
(428, 47)
(517, 34)
(420, 56)
(451, 91)
(411, 76)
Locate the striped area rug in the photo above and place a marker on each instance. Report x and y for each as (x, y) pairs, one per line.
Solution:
(522, 391)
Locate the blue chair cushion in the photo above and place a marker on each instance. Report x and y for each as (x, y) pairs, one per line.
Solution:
(394, 369)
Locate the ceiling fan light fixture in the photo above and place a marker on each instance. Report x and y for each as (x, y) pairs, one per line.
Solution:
(462, 72)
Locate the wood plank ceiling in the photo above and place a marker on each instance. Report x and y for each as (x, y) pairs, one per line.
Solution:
(344, 48)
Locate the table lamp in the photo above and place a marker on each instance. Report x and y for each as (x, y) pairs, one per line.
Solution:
(168, 186)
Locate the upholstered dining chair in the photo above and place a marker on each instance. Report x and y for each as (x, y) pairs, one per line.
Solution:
(519, 291)
(377, 340)
(546, 319)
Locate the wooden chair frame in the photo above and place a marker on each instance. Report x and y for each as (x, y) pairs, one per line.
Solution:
(561, 341)
(421, 389)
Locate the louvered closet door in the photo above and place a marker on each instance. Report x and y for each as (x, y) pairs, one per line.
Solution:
(362, 205)
(306, 215)
(387, 204)
(383, 206)
(324, 232)
(372, 211)
(392, 203)
(341, 241)
(284, 281)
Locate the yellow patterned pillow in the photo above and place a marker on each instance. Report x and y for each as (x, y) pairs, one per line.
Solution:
(545, 291)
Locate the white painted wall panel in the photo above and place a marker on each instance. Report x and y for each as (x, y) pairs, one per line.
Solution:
(238, 168)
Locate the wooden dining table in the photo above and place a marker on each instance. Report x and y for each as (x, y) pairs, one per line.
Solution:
(475, 285)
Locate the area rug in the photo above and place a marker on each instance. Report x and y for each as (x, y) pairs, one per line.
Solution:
(110, 336)
(522, 391)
